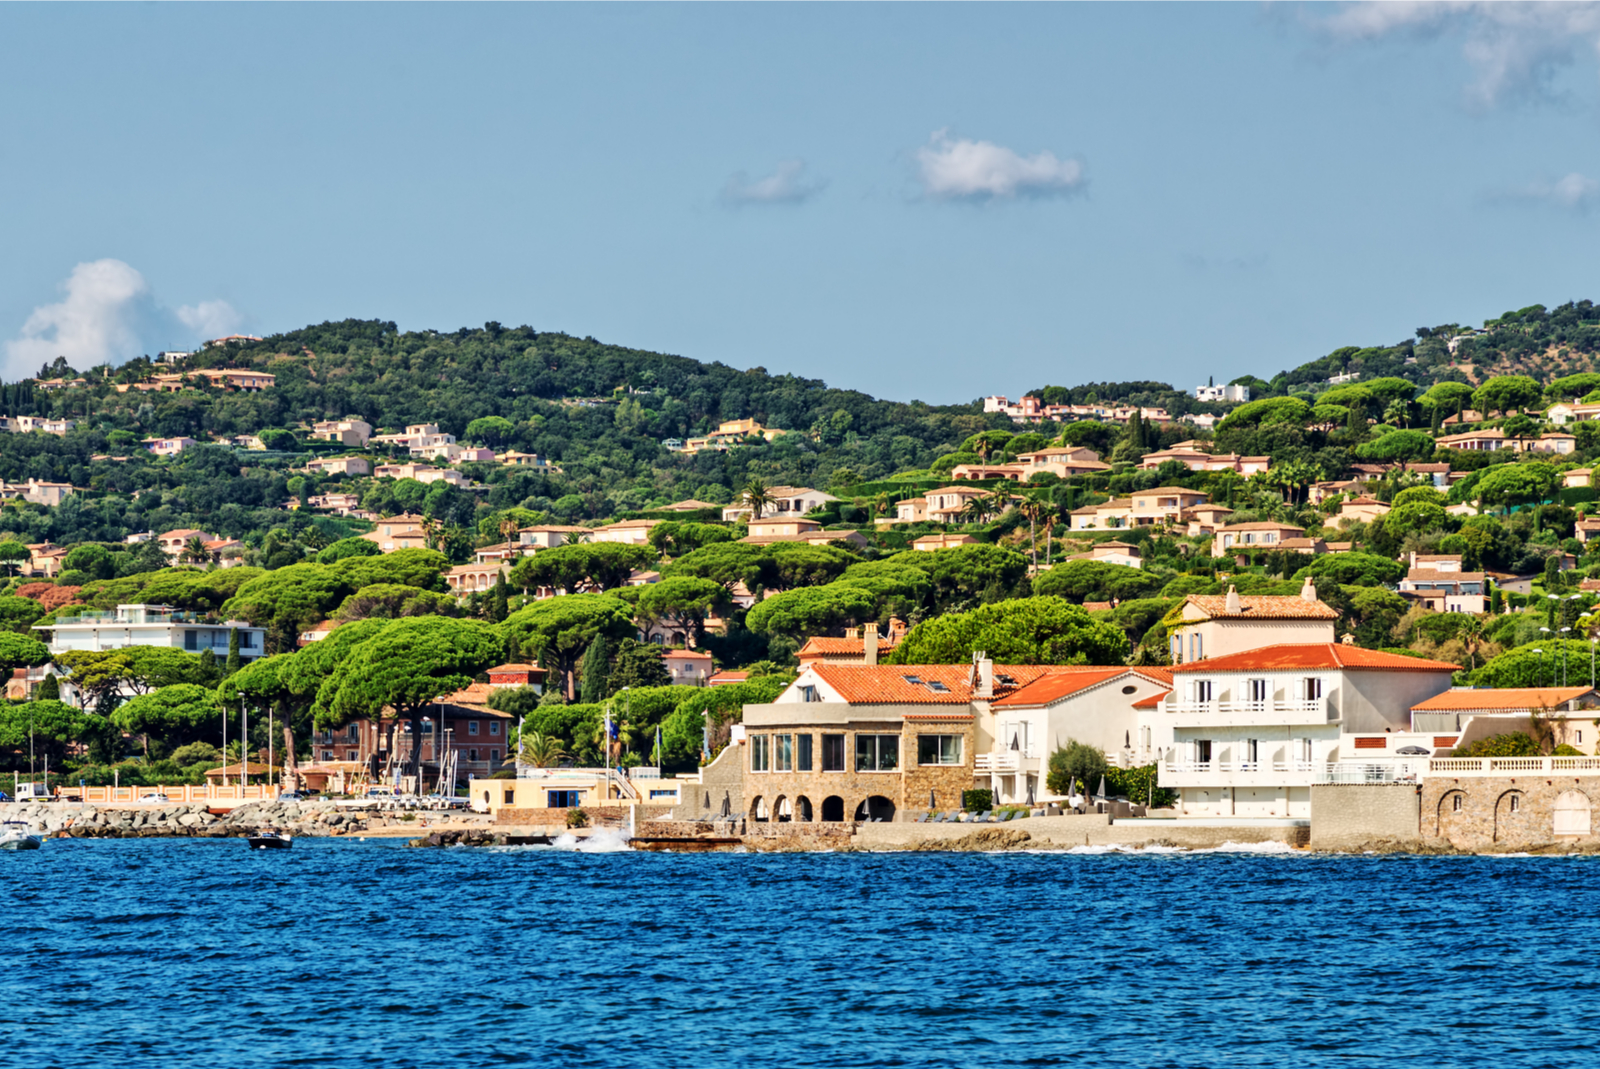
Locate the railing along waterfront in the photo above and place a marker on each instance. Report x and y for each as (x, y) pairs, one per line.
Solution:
(1494, 766)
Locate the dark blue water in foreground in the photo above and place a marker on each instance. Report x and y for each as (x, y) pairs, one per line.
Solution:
(341, 953)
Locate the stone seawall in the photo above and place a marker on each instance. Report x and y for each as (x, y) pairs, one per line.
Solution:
(1067, 831)
(1361, 816)
(313, 818)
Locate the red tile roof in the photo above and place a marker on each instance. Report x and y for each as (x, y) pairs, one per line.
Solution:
(1264, 607)
(1323, 655)
(1511, 698)
(862, 684)
(822, 646)
(1153, 701)
(1053, 688)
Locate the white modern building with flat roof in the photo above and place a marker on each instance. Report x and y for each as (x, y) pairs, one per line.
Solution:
(151, 625)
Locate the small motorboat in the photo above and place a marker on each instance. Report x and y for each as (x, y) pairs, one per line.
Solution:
(270, 840)
(18, 835)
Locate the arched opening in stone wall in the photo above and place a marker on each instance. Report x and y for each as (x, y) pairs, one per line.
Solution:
(833, 808)
(782, 811)
(758, 809)
(1507, 815)
(802, 810)
(1574, 814)
(1448, 816)
(877, 808)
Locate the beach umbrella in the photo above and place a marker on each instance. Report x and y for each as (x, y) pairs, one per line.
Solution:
(1100, 795)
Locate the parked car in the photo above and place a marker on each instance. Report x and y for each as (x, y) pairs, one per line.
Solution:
(154, 799)
(293, 796)
(4, 797)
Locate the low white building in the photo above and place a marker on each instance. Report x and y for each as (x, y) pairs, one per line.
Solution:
(151, 625)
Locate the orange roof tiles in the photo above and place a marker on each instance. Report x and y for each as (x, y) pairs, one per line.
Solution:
(863, 684)
(1511, 698)
(1054, 687)
(1264, 607)
(1153, 701)
(1311, 656)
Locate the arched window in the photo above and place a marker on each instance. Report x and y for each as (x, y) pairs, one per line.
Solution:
(758, 809)
(833, 808)
(1573, 814)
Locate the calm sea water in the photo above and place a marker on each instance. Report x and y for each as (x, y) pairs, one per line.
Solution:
(341, 953)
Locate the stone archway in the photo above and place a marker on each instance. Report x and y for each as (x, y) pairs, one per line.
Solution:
(1574, 814)
(802, 809)
(758, 810)
(1512, 823)
(1449, 821)
(875, 808)
(782, 810)
(833, 809)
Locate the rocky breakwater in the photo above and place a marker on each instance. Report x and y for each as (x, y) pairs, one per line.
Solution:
(185, 821)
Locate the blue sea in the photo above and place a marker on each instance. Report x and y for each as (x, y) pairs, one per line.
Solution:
(345, 953)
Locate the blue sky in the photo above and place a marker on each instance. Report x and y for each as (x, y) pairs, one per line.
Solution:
(920, 201)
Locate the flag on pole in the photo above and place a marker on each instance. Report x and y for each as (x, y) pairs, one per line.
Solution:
(705, 736)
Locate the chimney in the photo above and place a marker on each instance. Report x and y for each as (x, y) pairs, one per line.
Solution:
(869, 644)
(1232, 606)
(1413, 560)
(985, 688)
(1308, 592)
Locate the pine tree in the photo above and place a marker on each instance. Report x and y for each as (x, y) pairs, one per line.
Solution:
(235, 662)
(49, 690)
(596, 670)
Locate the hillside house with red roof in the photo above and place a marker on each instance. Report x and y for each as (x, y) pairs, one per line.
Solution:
(1215, 625)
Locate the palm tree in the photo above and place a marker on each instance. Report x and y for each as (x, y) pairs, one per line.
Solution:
(430, 531)
(976, 510)
(508, 528)
(999, 500)
(757, 495)
(542, 751)
(1472, 637)
(195, 551)
(986, 442)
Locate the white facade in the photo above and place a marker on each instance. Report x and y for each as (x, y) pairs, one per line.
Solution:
(151, 625)
(1222, 393)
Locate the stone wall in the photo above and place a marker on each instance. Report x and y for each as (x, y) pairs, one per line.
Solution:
(1509, 812)
(1352, 816)
(600, 816)
(1070, 830)
(907, 788)
(830, 835)
(721, 789)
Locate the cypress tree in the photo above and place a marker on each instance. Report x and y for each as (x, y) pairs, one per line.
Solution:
(596, 671)
(49, 689)
(499, 600)
(235, 662)
(1438, 418)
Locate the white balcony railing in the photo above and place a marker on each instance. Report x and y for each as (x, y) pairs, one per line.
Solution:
(1241, 773)
(1276, 712)
(1497, 766)
(1004, 761)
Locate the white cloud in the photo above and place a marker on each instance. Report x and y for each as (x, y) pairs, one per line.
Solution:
(1573, 192)
(107, 315)
(959, 169)
(95, 323)
(1513, 48)
(789, 184)
(210, 319)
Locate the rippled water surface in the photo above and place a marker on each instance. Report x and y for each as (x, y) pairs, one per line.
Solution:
(348, 953)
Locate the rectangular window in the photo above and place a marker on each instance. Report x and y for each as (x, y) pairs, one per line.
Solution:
(563, 799)
(670, 795)
(494, 755)
(1257, 690)
(1313, 688)
(1202, 751)
(472, 755)
(877, 753)
(1251, 750)
(1202, 691)
(760, 754)
(354, 733)
(191, 640)
(511, 797)
(802, 752)
(472, 727)
(783, 753)
(833, 753)
(809, 694)
(938, 749)
(494, 727)
(1177, 649)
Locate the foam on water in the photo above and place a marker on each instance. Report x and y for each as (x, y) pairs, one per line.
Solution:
(599, 841)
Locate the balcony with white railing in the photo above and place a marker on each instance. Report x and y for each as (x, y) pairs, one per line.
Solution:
(1000, 761)
(1241, 773)
(1511, 766)
(1271, 713)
